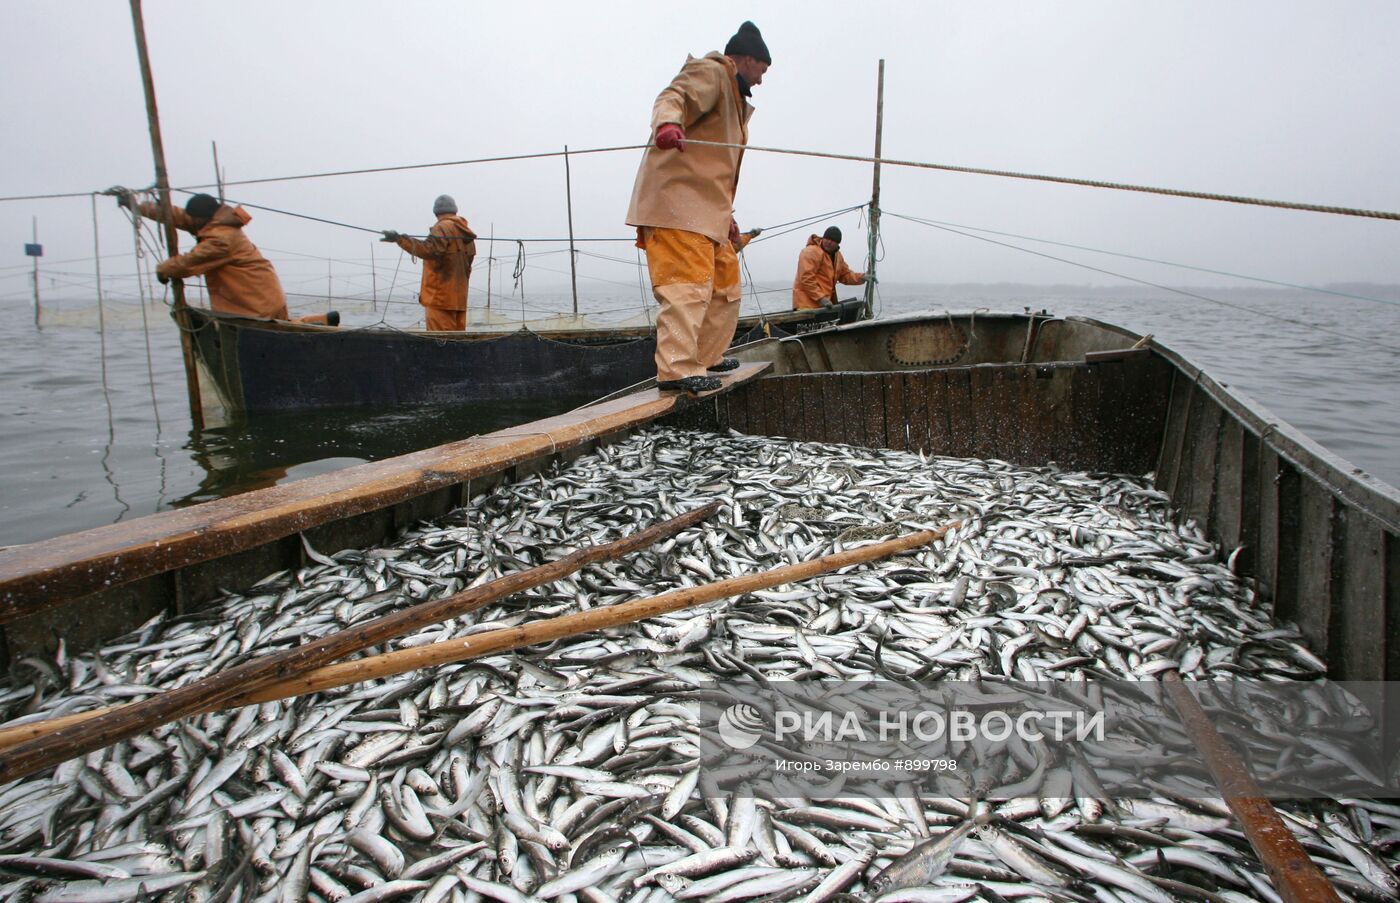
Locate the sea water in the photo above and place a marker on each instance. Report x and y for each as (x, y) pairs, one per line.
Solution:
(75, 456)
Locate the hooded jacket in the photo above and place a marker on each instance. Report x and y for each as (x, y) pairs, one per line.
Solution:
(817, 275)
(447, 254)
(694, 189)
(240, 280)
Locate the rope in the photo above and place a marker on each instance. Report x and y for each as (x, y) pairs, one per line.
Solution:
(409, 166)
(101, 317)
(1184, 266)
(519, 272)
(1064, 180)
(145, 321)
(945, 167)
(1165, 288)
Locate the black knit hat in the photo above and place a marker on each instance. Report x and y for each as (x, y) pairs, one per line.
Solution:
(832, 233)
(748, 42)
(202, 206)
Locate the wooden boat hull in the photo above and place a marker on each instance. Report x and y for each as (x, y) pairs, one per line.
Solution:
(252, 366)
(1320, 539)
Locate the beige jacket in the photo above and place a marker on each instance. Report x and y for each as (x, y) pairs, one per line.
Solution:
(694, 189)
(240, 280)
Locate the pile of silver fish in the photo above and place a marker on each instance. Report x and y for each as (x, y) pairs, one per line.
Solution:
(570, 772)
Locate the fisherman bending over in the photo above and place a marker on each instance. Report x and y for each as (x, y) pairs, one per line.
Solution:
(682, 206)
(819, 267)
(447, 255)
(239, 279)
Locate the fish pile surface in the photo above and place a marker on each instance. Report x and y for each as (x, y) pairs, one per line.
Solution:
(570, 772)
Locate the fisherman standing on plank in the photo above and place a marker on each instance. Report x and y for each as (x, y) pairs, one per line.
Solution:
(447, 254)
(240, 280)
(683, 208)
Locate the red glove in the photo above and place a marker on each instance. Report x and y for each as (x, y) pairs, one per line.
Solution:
(670, 136)
(733, 231)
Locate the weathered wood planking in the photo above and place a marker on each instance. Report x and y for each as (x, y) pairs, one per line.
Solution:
(38, 575)
(896, 426)
(1315, 555)
(1358, 634)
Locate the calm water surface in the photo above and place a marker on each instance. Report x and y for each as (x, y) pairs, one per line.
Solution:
(74, 457)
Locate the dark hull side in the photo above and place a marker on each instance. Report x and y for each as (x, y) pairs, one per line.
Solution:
(257, 366)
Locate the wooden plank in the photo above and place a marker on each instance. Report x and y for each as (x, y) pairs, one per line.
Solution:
(1174, 435)
(1114, 425)
(737, 409)
(833, 397)
(1057, 396)
(939, 416)
(1251, 508)
(852, 410)
(1085, 408)
(1359, 617)
(1146, 393)
(1037, 417)
(1229, 489)
(872, 392)
(814, 407)
(1285, 538)
(896, 426)
(763, 405)
(794, 418)
(988, 411)
(1203, 438)
(1315, 551)
(916, 408)
(1391, 560)
(1116, 355)
(957, 405)
(35, 576)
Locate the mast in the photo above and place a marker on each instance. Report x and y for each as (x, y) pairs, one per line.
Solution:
(875, 193)
(172, 242)
(35, 250)
(573, 257)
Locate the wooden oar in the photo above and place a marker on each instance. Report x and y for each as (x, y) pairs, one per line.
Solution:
(490, 642)
(493, 641)
(214, 692)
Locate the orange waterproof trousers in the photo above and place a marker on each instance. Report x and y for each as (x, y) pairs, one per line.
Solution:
(440, 320)
(696, 282)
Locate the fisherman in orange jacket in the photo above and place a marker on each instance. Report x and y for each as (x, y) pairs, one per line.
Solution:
(447, 254)
(240, 280)
(819, 267)
(683, 208)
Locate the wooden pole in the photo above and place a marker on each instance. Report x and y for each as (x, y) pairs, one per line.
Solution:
(172, 241)
(573, 258)
(216, 691)
(373, 281)
(218, 173)
(1296, 878)
(490, 263)
(101, 315)
(36, 275)
(875, 193)
(491, 642)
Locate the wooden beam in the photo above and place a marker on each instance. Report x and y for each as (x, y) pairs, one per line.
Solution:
(36, 576)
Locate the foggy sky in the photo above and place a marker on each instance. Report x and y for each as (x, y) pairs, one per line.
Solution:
(1279, 100)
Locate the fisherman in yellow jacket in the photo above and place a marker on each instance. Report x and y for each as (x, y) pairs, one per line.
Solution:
(819, 267)
(683, 208)
(447, 254)
(239, 279)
